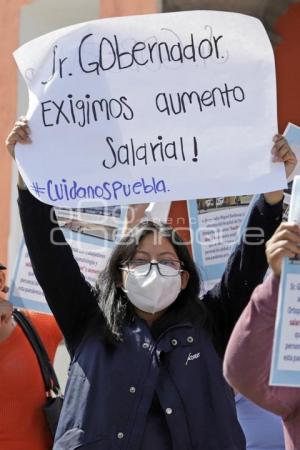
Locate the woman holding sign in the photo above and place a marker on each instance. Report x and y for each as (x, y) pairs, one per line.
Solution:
(146, 369)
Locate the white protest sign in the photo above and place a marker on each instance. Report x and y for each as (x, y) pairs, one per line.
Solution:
(150, 108)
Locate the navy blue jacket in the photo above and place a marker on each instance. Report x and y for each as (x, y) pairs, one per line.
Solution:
(111, 388)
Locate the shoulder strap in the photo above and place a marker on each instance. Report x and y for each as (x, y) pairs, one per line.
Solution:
(48, 373)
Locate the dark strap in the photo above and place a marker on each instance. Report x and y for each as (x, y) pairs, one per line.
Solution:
(49, 376)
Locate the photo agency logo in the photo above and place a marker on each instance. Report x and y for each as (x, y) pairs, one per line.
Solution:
(103, 223)
(108, 224)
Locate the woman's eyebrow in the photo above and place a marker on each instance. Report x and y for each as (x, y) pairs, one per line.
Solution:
(159, 254)
(143, 252)
(167, 254)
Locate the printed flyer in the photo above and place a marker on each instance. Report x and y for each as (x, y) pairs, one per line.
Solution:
(216, 223)
(91, 233)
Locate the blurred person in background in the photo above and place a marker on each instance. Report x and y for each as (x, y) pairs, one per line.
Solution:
(22, 396)
(248, 356)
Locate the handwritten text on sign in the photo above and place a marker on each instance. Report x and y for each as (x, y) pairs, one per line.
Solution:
(121, 110)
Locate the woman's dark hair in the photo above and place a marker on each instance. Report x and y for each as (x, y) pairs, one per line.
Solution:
(116, 308)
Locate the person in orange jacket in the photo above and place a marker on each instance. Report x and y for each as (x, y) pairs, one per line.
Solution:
(22, 422)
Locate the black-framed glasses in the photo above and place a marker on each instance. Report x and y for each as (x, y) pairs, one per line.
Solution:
(142, 267)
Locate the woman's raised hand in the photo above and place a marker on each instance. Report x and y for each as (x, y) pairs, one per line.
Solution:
(20, 133)
(284, 242)
(282, 152)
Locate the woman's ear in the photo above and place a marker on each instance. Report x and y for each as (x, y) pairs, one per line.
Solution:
(184, 279)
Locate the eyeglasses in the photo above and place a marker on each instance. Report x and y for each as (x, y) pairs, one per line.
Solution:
(142, 267)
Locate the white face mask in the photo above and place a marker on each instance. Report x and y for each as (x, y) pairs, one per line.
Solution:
(152, 293)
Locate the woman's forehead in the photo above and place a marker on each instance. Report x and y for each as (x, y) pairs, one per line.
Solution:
(155, 242)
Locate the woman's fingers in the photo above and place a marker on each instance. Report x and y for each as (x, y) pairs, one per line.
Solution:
(293, 248)
(280, 148)
(20, 133)
(276, 257)
(287, 234)
(282, 152)
(284, 242)
(286, 231)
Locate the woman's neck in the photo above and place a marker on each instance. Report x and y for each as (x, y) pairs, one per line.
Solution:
(148, 317)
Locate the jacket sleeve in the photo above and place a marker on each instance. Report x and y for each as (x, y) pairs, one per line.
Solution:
(245, 270)
(248, 356)
(70, 297)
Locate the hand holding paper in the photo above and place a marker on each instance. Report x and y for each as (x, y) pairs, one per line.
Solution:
(281, 152)
(284, 243)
